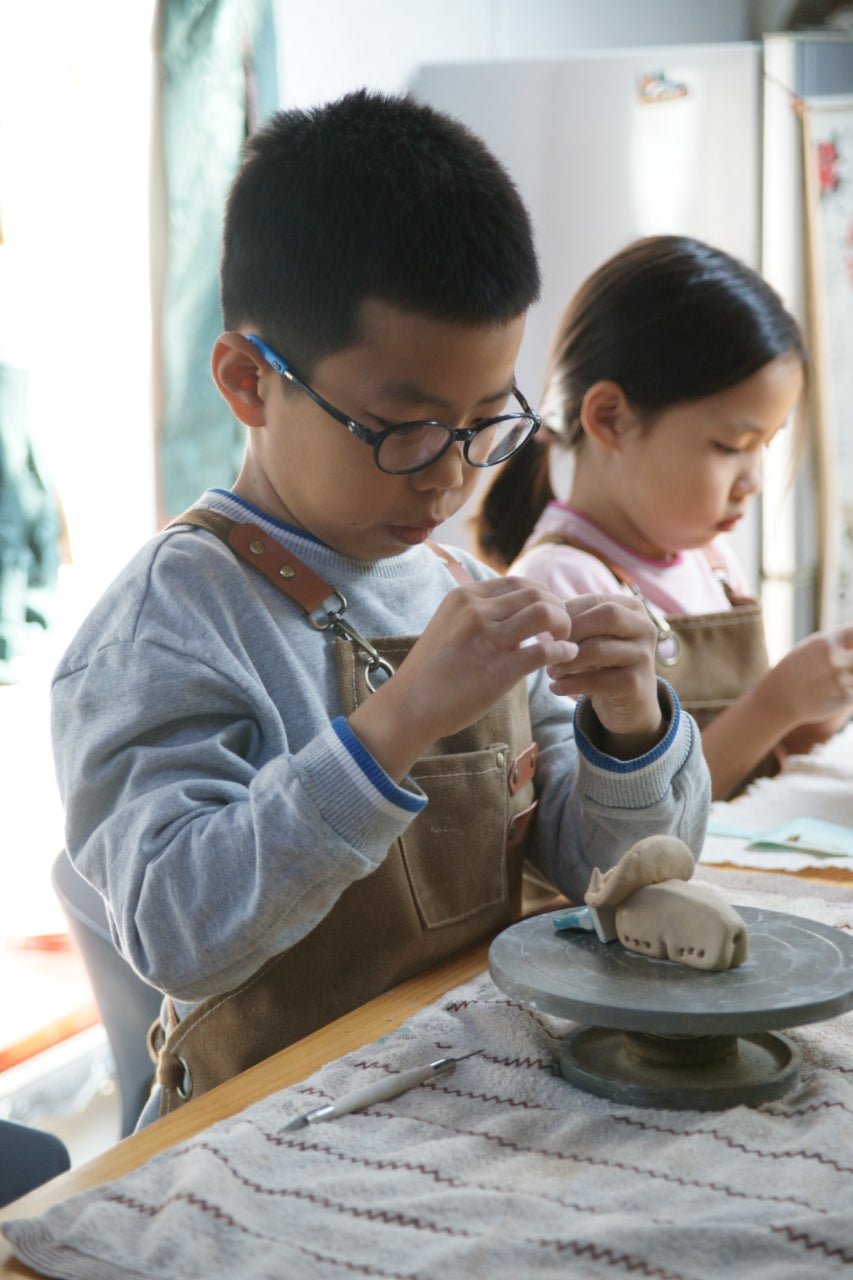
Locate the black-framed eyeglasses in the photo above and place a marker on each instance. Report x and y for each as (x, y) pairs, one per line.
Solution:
(412, 446)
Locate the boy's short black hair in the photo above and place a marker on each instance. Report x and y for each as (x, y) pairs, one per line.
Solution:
(371, 196)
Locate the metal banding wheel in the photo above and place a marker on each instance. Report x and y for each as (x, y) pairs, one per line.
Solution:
(661, 1034)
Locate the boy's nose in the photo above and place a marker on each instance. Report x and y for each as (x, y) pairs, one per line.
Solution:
(447, 472)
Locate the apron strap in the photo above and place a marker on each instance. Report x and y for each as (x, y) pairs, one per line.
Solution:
(563, 540)
(281, 568)
(322, 605)
(711, 554)
(454, 566)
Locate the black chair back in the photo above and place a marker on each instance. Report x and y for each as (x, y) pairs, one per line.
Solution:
(28, 1157)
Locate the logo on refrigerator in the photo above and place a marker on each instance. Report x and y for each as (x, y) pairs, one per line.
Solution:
(657, 87)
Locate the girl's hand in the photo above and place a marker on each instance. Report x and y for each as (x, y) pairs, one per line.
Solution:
(803, 700)
(615, 668)
(814, 681)
(484, 638)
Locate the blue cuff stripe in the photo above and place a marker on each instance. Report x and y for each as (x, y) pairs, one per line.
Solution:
(601, 761)
(377, 777)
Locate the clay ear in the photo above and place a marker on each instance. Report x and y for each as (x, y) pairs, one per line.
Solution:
(649, 861)
(596, 882)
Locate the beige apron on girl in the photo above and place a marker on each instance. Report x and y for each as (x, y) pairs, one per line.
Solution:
(453, 878)
(710, 659)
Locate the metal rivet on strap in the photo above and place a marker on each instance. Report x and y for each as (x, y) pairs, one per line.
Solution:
(256, 547)
(515, 777)
(185, 1089)
(287, 571)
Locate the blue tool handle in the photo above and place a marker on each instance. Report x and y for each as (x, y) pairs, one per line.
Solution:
(574, 918)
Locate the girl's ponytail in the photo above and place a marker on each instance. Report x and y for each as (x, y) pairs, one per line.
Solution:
(512, 504)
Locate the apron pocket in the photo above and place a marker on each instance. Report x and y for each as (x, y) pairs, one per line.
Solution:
(454, 876)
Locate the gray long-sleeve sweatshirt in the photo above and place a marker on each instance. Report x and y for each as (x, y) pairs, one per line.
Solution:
(214, 803)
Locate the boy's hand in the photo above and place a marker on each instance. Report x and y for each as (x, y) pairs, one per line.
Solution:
(483, 638)
(615, 668)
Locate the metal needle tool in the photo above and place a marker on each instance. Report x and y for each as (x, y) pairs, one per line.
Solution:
(378, 1091)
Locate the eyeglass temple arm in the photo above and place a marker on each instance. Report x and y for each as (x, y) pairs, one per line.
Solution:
(525, 406)
(281, 367)
(270, 356)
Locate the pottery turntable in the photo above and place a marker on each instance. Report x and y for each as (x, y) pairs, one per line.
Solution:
(655, 1033)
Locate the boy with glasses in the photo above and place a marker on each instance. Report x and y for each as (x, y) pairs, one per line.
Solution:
(304, 752)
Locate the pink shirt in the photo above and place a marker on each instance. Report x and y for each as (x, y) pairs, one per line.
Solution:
(686, 584)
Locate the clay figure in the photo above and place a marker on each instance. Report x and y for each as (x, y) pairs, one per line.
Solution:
(681, 921)
(660, 913)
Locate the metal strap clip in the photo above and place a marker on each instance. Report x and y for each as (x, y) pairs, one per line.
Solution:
(668, 641)
(373, 661)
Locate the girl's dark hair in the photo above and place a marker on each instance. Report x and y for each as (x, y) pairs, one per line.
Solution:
(669, 319)
(372, 196)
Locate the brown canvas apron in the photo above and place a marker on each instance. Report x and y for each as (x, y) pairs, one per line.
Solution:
(453, 878)
(710, 659)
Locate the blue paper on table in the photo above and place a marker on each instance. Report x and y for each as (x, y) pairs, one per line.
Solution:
(811, 835)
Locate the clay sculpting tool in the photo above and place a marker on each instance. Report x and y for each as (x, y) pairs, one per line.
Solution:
(378, 1091)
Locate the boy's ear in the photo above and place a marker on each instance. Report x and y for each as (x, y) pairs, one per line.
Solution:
(237, 367)
(606, 413)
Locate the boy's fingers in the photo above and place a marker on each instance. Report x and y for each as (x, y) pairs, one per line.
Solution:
(528, 608)
(599, 616)
(576, 605)
(552, 654)
(509, 591)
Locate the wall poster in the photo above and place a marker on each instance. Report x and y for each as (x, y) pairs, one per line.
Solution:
(828, 142)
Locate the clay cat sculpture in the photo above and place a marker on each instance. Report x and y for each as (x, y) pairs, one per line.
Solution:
(659, 913)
